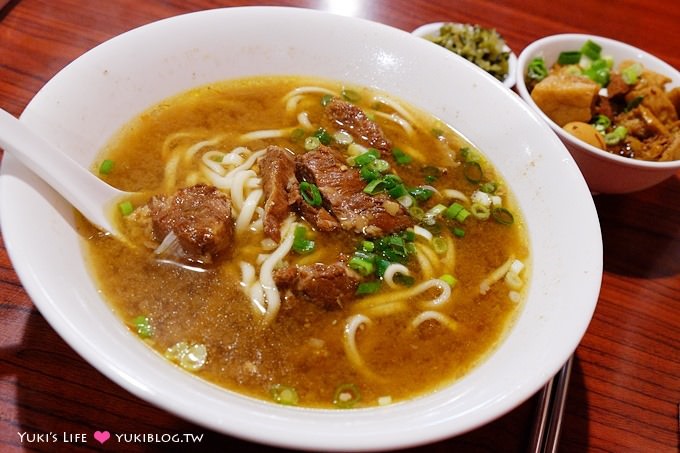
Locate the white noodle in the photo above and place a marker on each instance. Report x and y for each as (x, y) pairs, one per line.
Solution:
(391, 271)
(397, 119)
(395, 296)
(455, 194)
(349, 336)
(248, 210)
(495, 275)
(267, 274)
(263, 134)
(237, 187)
(420, 231)
(395, 106)
(444, 320)
(247, 274)
(307, 90)
(303, 119)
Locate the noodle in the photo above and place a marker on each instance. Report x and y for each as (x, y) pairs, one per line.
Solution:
(350, 344)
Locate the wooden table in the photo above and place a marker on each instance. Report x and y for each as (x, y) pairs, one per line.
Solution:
(625, 385)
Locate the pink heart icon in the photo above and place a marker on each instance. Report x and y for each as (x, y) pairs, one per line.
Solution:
(102, 436)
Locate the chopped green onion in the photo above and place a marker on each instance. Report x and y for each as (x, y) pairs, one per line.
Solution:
(350, 95)
(458, 232)
(368, 288)
(301, 244)
(326, 99)
(346, 396)
(400, 157)
(598, 72)
(126, 208)
(106, 167)
(489, 187)
(421, 193)
(143, 326)
(323, 136)
(367, 157)
(312, 143)
(343, 138)
(616, 135)
(439, 245)
(362, 263)
(398, 191)
(456, 212)
(284, 394)
(473, 171)
(375, 186)
(632, 73)
(310, 193)
(450, 279)
(537, 69)
(297, 134)
(416, 212)
(502, 216)
(432, 213)
(601, 123)
(480, 211)
(431, 173)
(368, 174)
(404, 280)
(381, 266)
(380, 165)
(569, 57)
(637, 100)
(367, 246)
(591, 50)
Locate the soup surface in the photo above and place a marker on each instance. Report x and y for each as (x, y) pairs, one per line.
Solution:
(386, 294)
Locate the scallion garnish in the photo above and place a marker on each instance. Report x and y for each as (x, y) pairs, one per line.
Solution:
(367, 157)
(312, 143)
(591, 50)
(362, 263)
(310, 193)
(106, 167)
(326, 99)
(284, 394)
(400, 157)
(615, 136)
(569, 57)
(450, 279)
(537, 70)
(502, 216)
(473, 172)
(143, 326)
(297, 134)
(324, 137)
(350, 95)
(346, 396)
(631, 73)
(368, 287)
(301, 244)
(126, 207)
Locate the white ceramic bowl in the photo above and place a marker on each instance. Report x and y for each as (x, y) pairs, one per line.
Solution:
(83, 105)
(604, 172)
(432, 29)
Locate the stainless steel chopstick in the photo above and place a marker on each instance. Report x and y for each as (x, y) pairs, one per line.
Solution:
(548, 420)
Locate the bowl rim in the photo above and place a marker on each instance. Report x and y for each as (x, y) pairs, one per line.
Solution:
(319, 429)
(536, 47)
(433, 28)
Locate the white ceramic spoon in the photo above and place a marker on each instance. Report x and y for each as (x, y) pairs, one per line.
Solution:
(87, 193)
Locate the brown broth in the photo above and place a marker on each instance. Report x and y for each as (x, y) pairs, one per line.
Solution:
(303, 347)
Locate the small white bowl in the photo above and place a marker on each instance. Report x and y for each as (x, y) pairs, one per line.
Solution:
(433, 30)
(604, 172)
(89, 100)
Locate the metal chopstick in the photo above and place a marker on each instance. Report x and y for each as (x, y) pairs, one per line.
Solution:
(548, 421)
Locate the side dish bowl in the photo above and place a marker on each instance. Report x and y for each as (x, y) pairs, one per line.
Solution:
(89, 100)
(432, 30)
(604, 172)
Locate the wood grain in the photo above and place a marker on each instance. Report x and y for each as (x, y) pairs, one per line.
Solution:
(624, 391)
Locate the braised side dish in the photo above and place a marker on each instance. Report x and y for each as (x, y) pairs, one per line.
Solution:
(309, 243)
(625, 109)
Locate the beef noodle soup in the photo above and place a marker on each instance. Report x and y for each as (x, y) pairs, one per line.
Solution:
(309, 243)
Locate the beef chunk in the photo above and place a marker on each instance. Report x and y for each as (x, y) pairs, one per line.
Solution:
(282, 194)
(342, 188)
(326, 285)
(200, 218)
(281, 190)
(352, 118)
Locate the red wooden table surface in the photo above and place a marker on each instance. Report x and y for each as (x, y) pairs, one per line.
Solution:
(624, 390)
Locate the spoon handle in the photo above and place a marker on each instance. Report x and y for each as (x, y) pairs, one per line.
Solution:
(82, 189)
